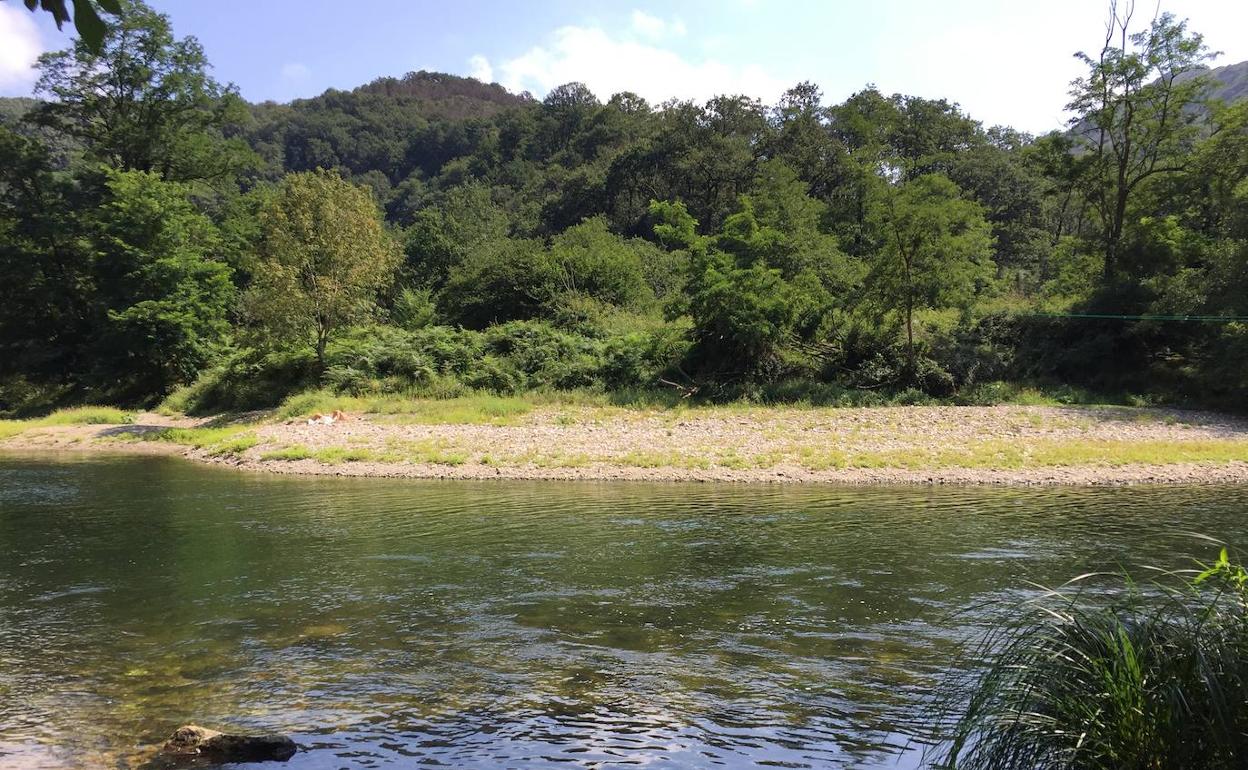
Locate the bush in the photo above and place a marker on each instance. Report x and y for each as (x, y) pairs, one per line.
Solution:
(508, 280)
(912, 397)
(547, 357)
(1150, 677)
(248, 379)
(451, 352)
(21, 396)
(376, 359)
(413, 309)
(496, 375)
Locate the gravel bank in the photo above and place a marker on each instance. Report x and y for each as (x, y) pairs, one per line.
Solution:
(1010, 445)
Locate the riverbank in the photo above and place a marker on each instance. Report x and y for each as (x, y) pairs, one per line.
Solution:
(1024, 445)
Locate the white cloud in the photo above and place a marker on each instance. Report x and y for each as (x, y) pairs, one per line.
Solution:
(295, 71)
(653, 27)
(610, 64)
(479, 68)
(20, 46)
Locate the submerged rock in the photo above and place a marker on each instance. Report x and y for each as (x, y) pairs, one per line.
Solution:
(192, 744)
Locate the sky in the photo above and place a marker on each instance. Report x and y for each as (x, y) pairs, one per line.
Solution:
(1005, 62)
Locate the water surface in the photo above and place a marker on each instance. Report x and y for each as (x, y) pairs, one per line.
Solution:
(513, 624)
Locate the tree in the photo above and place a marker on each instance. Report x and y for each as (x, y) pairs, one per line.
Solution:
(508, 280)
(592, 261)
(1133, 112)
(935, 249)
(804, 141)
(46, 296)
(443, 236)
(145, 102)
(1012, 193)
(324, 256)
(162, 292)
(743, 317)
(747, 315)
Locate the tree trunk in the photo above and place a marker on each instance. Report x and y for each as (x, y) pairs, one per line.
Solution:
(1114, 239)
(322, 338)
(911, 369)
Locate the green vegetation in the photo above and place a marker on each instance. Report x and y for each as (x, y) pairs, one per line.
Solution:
(1017, 455)
(288, 454)
(432, 237)
(221, 441)
(323, 256)
(1101, 677)
(86, 17)
(421, 452)
(83, 415)
(481, 408)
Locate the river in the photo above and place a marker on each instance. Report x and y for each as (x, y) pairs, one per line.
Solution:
(522, 624)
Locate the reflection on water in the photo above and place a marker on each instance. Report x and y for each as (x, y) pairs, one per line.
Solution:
(510, 624)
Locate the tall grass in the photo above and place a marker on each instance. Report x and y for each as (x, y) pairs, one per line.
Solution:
(1108, 674)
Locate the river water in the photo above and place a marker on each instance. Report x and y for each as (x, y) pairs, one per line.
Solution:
(511, 624)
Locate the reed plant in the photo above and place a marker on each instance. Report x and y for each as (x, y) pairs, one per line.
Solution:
(1108, 674)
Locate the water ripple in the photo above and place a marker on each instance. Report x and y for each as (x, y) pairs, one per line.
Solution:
(490, 625)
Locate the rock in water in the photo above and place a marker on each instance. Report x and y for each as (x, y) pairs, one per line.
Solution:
(193, 742)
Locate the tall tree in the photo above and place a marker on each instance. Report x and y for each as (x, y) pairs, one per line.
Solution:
(162, 292)
(145, 102)
(324, 256)
(935, 249)
(45, 297)
(1133, 110)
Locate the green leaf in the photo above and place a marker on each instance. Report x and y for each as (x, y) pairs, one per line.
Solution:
(90, 27)
(54, 7)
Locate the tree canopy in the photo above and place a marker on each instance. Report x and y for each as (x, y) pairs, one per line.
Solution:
(157, 230)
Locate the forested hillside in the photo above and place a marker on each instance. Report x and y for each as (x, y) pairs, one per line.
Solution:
(431, 234)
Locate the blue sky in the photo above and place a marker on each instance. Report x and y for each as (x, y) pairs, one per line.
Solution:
(1004, 61)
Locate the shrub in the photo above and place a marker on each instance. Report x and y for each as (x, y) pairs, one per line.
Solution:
(494, 374)
(504, 281)
(377, 359)
(413, 309)
(1125, 676)
(546, 356)
(248, 379)
(589, 259)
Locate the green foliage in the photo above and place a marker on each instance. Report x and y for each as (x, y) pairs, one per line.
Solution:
(324, 256)
(164, 294)
(246, 379)
(47, 313)
(91, 28)
(935, 249)
(413, 309)
(83, 415)
(588, 259)
(742, 317)
(505, 281)
(516, 280)
(144, 101)
(1132, 113)
(882, 244)
(1148, 676)
(438, 362)
(442, 237)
